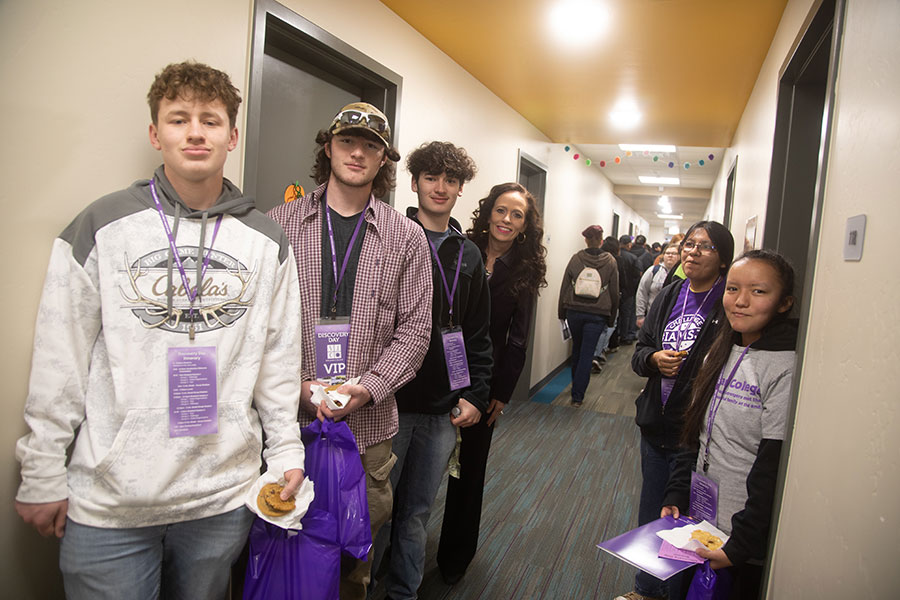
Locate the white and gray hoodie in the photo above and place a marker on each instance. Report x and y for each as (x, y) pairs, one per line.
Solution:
(99, 369)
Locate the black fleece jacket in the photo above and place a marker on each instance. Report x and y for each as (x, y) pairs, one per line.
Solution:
(661, 426)
(749, 527)
(429, 392)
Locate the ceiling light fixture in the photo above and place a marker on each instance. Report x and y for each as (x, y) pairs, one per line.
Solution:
(669, 217)
(578, 23)
(667, 209)
(659, 180)
(663, 200)
(648, 147)
(625, 115)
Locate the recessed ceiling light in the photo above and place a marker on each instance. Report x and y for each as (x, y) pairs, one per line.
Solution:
(659, 180)
(667, 209)
(669, 217)
(625, 114)
(647, 147)
(578, 23)
(663, 201)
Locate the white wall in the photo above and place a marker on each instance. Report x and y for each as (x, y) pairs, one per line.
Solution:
(838, 527)
(839, 524)
(74, 117)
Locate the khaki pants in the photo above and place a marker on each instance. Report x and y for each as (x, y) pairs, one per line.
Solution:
(377, 462)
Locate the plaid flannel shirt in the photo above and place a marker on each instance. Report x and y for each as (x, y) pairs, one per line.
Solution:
(390, 321)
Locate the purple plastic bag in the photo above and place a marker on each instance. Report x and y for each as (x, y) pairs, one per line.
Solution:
(334, 466)
(306, 564)
(294, 565)
(709, 584)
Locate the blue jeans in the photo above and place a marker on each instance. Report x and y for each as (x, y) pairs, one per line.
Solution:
(627, 318)
(603, 340)
(423, 446)
(189, 560)
(656, 466)
(586, 329)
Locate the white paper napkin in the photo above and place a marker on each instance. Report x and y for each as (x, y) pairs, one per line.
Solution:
(303, 498)
(680, 537)
(332, 399)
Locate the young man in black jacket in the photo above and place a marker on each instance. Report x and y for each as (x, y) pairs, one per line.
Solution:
(451, 389)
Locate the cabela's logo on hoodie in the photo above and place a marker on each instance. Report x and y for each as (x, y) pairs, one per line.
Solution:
(224, 292)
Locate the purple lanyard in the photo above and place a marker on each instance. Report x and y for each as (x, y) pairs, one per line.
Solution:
(450, 292)
(681, 328)
(174, 249)
(715, 407)
(339, 278)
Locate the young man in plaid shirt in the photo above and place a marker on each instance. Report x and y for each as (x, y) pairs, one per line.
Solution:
(365, 292)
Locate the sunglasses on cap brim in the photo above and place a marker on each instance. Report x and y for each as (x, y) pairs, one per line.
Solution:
(358, 118)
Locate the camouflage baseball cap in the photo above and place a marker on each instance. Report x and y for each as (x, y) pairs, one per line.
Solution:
(362, 115)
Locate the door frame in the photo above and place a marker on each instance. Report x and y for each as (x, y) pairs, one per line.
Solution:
(328, 57)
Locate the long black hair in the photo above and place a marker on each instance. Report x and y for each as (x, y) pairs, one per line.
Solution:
(720, 236)
(704, 385)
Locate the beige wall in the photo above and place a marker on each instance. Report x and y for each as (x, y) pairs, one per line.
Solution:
(74, 117)
(838, 526)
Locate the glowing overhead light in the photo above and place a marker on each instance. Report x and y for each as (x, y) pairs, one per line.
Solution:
(625, 115)
(659, 180)
(648, 147)
(578, 23)
(669, 217)
(663, 201)
(667, 209)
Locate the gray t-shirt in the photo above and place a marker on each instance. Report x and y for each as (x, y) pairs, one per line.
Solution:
(343, 231)
(754, 408)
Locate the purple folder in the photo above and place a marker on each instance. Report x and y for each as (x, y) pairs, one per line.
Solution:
(640, 548)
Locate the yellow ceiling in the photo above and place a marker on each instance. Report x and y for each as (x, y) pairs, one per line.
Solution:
(689, 64)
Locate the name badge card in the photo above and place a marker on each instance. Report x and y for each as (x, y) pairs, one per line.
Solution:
(704, 497)
(332, 343)
(455, 357)
(193, 404)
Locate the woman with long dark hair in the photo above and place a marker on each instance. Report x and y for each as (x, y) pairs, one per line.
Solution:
(737, 417)
(507, 228)
(676, 334)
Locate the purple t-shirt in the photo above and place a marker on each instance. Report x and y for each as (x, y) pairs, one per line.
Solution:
(685, 322)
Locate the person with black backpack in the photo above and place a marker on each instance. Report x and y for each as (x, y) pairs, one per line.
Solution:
(588, 301)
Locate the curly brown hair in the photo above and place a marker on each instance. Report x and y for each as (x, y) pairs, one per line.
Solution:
(435, 158)
(194, 81)
(529, 256)
(385, 179)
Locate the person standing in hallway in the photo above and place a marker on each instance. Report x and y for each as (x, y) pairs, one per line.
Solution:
(640, 251)
(629, 278)
(162, 387)
(675, 337)
(365, 281)
(455, 375)
(652, 282)
(605, 341)
(507, 229)
(738, 415)
(588, 301)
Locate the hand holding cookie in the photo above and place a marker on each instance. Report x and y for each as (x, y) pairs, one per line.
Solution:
(668, 361)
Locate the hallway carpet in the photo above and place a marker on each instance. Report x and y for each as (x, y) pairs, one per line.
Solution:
(560, 480)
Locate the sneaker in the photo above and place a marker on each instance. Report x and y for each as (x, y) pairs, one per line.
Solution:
(602, 358)
(595, 366)
(576, 402)
(636, 596)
